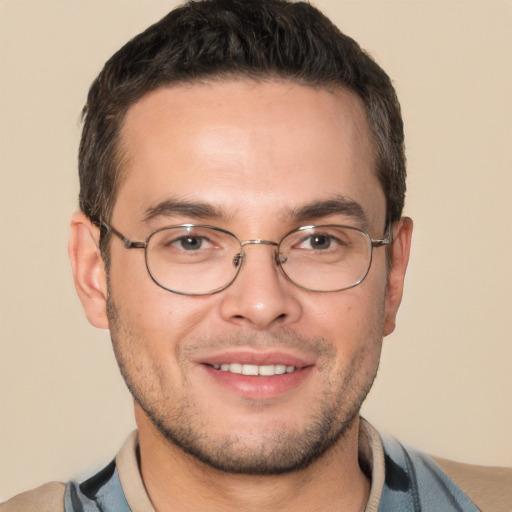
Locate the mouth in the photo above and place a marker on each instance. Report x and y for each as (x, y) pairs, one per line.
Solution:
(265, 370)
(258, 375)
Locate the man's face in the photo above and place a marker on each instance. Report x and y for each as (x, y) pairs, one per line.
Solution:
(252, 155)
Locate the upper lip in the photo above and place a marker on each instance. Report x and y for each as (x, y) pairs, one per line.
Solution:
(268, 357)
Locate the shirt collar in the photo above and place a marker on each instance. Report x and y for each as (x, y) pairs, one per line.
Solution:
(371, 459)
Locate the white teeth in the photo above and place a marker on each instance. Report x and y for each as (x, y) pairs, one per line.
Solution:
(235, 368)
(280, 369)
(250, 369)
(266, 370)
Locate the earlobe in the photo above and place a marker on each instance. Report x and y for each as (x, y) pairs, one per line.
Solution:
(88, 269)
(399, 256)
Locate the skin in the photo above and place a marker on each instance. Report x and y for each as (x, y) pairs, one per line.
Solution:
(256, 153)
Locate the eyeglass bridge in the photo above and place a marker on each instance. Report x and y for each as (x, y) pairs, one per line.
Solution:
(238, 258)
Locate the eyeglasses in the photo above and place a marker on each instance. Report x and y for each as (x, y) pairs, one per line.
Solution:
(193, 259)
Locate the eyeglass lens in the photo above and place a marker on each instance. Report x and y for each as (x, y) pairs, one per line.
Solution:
(201, 260)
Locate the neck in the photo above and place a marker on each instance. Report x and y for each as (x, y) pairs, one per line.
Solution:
(178, 482)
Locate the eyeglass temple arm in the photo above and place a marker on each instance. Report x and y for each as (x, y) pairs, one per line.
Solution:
(388, 238)
(126, 242)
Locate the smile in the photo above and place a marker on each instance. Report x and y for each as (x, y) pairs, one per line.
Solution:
(267, 370)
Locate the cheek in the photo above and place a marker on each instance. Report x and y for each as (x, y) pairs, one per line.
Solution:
(350, 314)
(151, 316)
(352, 321)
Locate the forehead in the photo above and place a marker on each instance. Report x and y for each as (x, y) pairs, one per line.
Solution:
(247, 148)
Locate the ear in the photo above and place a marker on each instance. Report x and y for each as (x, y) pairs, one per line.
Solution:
(399, 255)
(88, 269)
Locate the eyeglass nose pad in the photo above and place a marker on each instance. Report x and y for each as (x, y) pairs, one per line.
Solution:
(280, 259)
(237, 259)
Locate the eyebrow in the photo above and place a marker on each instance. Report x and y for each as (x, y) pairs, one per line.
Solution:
(339, 205)
(191, 209)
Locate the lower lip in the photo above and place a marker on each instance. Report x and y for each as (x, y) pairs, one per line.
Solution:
(259, 387)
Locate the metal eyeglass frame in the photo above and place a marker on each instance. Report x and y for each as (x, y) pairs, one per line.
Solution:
(239, 257)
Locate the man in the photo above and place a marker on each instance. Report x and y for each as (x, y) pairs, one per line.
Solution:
(242, 182)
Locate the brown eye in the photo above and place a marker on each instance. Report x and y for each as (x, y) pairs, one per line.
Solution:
(190, 243)
(319, 242)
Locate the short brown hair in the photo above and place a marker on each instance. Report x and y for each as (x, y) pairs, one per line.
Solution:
(259, 39)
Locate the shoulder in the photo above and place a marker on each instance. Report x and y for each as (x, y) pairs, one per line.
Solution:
(489, 487)
(100, 492)
(423, 483)
(47, 498)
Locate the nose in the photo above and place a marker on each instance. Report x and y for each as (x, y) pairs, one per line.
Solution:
(261, 296)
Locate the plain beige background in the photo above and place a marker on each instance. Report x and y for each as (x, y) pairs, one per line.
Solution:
(445, 380)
